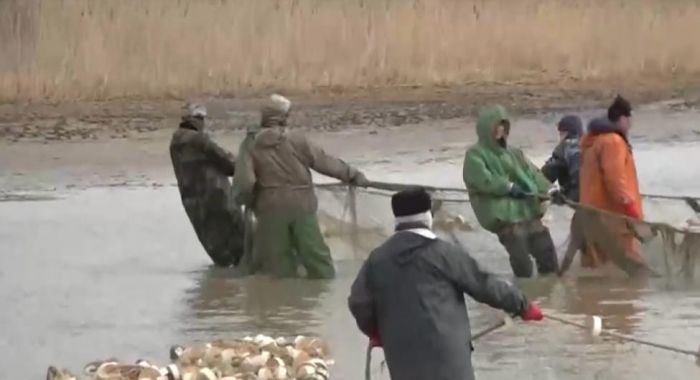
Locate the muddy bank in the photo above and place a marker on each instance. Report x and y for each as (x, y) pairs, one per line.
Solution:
(328, 110)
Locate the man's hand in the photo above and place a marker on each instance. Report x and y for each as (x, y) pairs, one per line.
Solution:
(517, 192)
(375, 341)
(632, 210)
(556, 196)
(358, 179)
(532, 313)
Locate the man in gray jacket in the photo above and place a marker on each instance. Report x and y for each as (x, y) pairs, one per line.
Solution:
(273, 178)
(409, 297)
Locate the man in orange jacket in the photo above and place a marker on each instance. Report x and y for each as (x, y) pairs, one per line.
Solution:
(608, 178)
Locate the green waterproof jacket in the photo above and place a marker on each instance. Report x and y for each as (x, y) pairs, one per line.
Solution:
(490, 169)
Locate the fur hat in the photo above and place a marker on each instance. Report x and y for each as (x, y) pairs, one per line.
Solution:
(410, 202)
(620, 107)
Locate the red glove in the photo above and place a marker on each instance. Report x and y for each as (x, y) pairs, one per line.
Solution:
(631, 210)
(532, 313)
(375, 341)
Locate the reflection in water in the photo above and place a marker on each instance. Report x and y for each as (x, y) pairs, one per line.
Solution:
(108, 272)
(616, 301)
(221, 303)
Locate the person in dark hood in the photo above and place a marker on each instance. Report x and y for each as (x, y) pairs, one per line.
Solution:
(408, 297)
(273, 177)
(565, 163)
(202, 169)
(506, 192)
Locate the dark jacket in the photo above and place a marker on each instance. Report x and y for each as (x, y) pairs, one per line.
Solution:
(564, 166)
(411, 289)
(202, 169)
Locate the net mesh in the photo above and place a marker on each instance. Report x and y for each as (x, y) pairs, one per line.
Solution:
(357, 220)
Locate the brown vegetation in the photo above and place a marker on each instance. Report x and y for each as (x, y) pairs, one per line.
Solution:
(86, 49)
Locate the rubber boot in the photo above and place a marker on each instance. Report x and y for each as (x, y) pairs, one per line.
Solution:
(312, 250)
(544, 252)
(516, 245)
(273, 251)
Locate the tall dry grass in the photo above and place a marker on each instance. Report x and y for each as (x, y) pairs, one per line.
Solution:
(96, 49)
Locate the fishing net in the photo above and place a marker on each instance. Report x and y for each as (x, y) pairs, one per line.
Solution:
(357, 220)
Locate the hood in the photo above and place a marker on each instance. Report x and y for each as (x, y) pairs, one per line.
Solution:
(599, 126)
(270, 137)
(487, 121)
(572, 125)
(192, 122)
(602, 125)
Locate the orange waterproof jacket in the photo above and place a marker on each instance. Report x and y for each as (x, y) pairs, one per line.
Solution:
(608, 181)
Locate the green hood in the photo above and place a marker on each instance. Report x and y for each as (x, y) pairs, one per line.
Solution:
(489, 118)
(489, 172)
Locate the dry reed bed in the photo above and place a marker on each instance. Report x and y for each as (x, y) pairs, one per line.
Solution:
(89, 49)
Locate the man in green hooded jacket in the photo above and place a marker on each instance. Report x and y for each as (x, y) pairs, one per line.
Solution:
(273, 178)
(503, 187)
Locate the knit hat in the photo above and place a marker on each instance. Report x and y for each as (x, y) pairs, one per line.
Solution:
(620, 107)
(410, 202)
(571, 124)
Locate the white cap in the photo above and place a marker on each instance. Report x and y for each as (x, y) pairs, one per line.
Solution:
(280, 103)
(197, 110)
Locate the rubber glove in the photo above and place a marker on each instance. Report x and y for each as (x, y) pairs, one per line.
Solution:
(556, 196)
(631, 210)
(516, 192)
(532, 313)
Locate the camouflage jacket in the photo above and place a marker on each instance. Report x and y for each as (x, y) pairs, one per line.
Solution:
(201, 166)
(564, 166)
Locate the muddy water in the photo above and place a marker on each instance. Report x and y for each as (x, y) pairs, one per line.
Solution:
(91, 271)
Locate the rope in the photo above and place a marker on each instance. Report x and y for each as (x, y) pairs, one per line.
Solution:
(627, 338)
(392, 186)
(670, 197)
(373, 187)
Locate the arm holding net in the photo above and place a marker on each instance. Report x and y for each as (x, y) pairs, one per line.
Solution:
(479, 179)
(482, 286)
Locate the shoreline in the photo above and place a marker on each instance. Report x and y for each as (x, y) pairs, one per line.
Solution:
(329, 109)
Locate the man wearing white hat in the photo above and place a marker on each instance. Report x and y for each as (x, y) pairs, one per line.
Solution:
(202, 169)
(409, 297)
(273, 176)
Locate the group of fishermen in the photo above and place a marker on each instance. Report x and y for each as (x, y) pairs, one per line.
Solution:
(272, 178)
(595, 169)
(408, 296)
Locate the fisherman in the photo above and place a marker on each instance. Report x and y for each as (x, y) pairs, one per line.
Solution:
(563, 167)
(506, 192)
(409, 297)
(609, 177)
(564, 164)
(273, 177)
(202, 169)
